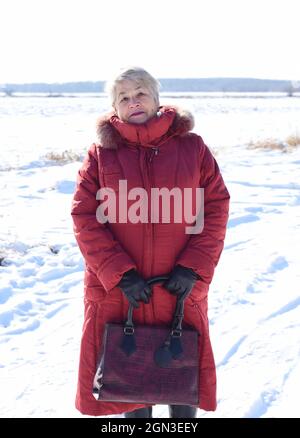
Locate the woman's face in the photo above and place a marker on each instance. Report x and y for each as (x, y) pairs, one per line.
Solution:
(134, 103)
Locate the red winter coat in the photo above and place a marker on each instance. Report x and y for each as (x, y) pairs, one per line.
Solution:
(160, 153)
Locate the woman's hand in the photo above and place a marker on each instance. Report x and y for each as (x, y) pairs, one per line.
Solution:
(181, 281)
(135, 288)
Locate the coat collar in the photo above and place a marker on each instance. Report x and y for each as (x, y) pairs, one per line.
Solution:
(169, 122)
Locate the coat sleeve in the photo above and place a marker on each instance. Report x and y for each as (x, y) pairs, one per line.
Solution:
(203, 250)
(103, 254)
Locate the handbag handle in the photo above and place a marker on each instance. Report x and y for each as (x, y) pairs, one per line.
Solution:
(177, 316)
(171, 349)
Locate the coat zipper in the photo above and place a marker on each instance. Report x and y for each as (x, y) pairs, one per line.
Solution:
(153, 152)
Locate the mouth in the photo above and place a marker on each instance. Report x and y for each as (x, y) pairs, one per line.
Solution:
(137, 113)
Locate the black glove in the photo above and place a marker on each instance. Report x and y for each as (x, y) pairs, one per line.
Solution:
(181, 281)
(135, 288)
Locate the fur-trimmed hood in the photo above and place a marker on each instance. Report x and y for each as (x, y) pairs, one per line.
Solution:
(170, 121)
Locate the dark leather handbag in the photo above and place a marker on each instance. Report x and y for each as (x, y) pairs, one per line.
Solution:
(149, 364)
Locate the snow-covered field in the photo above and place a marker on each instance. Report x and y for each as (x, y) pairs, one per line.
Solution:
(254, 298)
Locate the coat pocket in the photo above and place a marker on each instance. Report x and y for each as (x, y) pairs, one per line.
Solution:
(93, 289)
(112, 174)
(200, 308)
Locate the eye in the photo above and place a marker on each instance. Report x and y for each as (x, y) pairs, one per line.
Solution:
(124, 99)
(141, 94)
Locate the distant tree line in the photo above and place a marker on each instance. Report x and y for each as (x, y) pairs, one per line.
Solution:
(172, 84)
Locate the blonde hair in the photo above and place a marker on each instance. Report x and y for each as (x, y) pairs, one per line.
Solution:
(137, 75)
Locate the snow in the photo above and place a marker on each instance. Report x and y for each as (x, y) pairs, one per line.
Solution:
(254, 300)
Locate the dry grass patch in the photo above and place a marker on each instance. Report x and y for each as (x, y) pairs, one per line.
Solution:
(67, 156)
(287, 145)
(268, 143)
(293, 140)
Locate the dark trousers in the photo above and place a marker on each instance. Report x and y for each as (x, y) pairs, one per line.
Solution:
(175, 411)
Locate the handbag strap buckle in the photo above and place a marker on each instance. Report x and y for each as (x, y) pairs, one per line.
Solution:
(128, 330)
(176, 333)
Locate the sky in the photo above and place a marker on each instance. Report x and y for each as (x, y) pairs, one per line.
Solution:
(77, 40)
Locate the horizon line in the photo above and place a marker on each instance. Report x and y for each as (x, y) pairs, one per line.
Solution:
(159, 79)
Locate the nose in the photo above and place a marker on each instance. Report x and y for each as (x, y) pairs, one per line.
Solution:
(134, 101)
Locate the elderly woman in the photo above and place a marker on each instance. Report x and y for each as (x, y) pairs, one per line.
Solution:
(147, 146)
